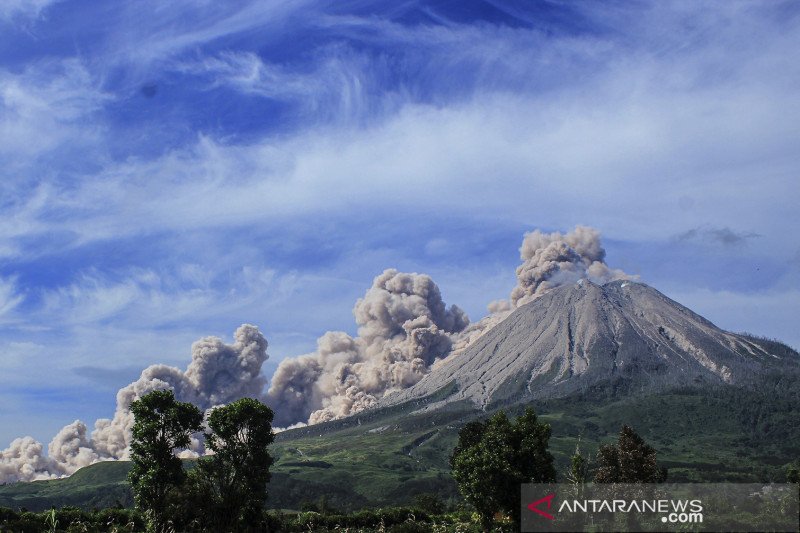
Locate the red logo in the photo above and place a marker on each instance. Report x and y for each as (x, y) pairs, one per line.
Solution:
(535, 506)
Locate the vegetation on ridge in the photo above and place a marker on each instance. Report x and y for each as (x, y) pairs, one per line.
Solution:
(383, 461)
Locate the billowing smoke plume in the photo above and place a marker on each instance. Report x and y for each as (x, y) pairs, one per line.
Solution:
(24, 461)
(404, 330)
(551, 260)
(404, 326)
(218, 374)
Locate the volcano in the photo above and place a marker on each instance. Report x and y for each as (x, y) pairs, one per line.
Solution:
(717, 406)
(577, 337)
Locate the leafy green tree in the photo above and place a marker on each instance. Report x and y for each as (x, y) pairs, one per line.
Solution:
(492, 458)
(235, 477)
(161, 426)
(631, 460)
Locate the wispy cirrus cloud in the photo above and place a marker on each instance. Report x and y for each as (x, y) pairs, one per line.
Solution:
(46, 105)
(11, 10)
(10, 297)
(142, 39)
(632, 122)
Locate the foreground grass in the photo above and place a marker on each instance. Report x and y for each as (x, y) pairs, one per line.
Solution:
(389, 520)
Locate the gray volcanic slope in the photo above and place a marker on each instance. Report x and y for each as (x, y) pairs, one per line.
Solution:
(583, 334)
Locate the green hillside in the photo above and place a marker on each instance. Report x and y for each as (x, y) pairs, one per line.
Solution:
(100, 485)
(386, 457)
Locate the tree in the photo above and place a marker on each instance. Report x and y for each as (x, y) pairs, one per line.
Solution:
(579, 467)
(631, 460)
(429, 503)
(493, 458)
(161, 426)
(235, 477)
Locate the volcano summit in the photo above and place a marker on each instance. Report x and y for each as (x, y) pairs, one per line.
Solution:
(581, 335)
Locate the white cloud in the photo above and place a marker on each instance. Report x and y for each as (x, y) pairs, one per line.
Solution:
(645, 129)
(30, 9)
(148, 299)
(515, 157)
(45, 106)
(10, 297)
(16, 355)
(152, 31)
(246, 72)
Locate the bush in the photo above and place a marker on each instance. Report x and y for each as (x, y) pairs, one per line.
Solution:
(8, 515)
(121, 519)
(368, 519)
(410, 527)
(68, 515)
(429, 503)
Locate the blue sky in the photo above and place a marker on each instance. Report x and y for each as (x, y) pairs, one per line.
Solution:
(173, 169)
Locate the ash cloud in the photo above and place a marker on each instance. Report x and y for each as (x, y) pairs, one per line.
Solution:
(404, 326)
(405, 330)
(549, 260)
(24, 460)
(218, 373)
